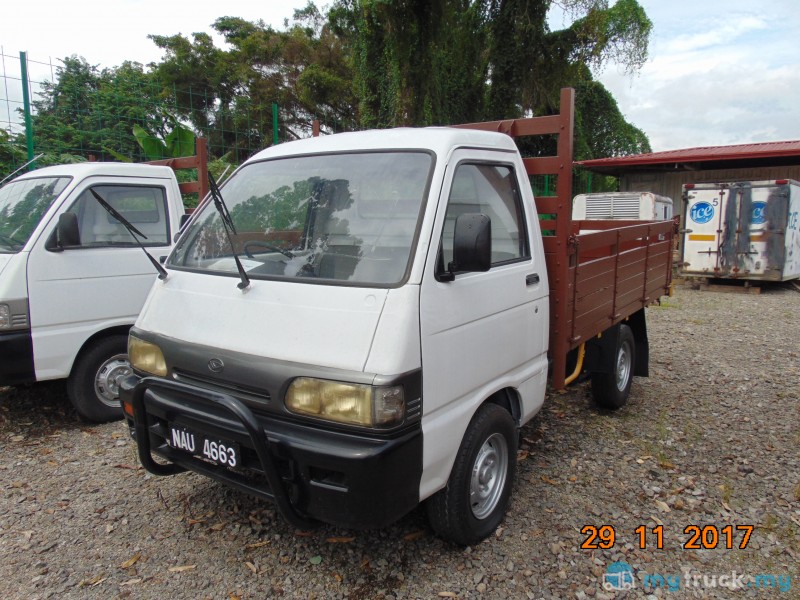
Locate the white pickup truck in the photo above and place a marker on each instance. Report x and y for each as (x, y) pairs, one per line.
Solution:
(73, 279)
(361, 322)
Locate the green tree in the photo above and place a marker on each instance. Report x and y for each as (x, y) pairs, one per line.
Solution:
(12, 153)
(415, 62)
(419, 62)
(604, 132)
(87, 111)
(228, 94)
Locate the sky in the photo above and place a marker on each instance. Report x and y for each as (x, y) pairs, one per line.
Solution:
(719, 71)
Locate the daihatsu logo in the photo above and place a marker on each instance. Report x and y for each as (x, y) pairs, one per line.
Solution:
(216, 365)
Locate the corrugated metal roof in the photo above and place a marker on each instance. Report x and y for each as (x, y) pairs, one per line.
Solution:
(704, 154)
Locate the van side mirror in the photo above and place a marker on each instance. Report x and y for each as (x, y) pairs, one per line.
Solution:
(472, 244)
(66, 234)
(181, 224)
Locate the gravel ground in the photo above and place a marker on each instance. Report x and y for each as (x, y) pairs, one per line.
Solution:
(710, 439)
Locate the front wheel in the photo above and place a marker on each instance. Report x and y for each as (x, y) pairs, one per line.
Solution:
(611, 390)
(93, 386)
(475, 499)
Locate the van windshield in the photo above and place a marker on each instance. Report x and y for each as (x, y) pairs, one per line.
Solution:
(22, 204)
(346, 218)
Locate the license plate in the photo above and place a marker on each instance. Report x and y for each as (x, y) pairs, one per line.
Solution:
(221, 452)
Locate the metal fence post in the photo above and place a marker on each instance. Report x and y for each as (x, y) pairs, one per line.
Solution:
(26, 103)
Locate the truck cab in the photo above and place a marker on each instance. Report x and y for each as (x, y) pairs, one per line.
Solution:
(395, 284)
(361, 322)
(72, 278)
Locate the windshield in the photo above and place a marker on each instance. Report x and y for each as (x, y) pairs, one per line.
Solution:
(338, 218)
(22, 204)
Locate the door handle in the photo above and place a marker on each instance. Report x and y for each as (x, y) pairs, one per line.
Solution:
(532, 279)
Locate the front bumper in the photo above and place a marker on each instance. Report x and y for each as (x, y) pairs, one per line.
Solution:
(349, 479)
(16, 358)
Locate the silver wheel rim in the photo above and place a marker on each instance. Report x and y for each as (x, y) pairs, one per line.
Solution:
(488, 476)
(624, 360)
(108, 378)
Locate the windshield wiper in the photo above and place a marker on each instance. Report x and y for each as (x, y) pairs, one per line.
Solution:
(162, 272)
(227, 225)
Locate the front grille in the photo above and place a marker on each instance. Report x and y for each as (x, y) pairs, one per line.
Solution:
(242, 392)
(19, 320)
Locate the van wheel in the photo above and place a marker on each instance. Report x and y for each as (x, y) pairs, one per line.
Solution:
(475, 499)
(93, 386)
(611, 390)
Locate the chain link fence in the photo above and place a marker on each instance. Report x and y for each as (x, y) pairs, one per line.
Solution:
(95, 118)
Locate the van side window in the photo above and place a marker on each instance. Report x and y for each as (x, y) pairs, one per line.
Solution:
(490, 190)
(145, 207)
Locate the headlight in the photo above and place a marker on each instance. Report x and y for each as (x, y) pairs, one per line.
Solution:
(5, 316)
(147, 357)
(349, 403)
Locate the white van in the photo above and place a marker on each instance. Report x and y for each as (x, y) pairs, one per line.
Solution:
(73, 279)
(621, 206)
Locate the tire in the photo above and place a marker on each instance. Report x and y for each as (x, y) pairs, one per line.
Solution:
(611, 390)
(93, 386)
(475, 499)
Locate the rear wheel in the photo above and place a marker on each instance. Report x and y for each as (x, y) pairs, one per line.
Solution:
(93, 386)
(476, 497)
(611, 390)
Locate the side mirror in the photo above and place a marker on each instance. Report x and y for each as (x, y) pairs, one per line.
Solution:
(472, 244)
(66, 234)
(181, 224)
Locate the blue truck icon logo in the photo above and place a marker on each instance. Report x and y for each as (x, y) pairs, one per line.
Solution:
(618, 576)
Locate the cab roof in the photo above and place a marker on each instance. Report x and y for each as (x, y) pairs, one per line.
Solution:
(89, 169)
(440, 140)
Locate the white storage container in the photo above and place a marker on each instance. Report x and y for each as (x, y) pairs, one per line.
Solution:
(742, 230)
(625, 206)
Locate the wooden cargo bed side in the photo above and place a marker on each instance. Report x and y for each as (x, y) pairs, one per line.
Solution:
(616, 272)
(596, 279)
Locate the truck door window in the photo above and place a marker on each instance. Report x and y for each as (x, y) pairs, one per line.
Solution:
(143, 206)
(491, 190)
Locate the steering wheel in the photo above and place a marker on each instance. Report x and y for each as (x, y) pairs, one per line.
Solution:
(261, 244)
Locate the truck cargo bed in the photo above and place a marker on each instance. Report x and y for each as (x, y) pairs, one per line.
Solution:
(597, 279)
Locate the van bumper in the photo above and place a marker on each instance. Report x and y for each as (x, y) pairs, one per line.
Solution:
(16, 358)
(348, 479)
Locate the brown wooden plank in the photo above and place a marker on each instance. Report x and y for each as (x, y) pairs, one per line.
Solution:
(554, 248)
(519, 127)
(595, 267)
(547, 204)
(189, 187)
(184, 162)
(590, 323)
(545, 165)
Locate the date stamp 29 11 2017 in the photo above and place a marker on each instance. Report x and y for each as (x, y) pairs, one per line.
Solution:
(697, 537)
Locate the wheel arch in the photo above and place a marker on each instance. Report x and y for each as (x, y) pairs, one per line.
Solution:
(507, 398)
(601, 351)
(95, 337)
